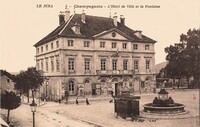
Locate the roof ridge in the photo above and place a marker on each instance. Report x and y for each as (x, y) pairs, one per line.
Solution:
(96, 16)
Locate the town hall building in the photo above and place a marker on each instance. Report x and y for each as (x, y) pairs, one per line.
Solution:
(92, 56)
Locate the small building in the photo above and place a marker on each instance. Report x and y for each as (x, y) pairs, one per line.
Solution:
(90, 55)
(7, 83)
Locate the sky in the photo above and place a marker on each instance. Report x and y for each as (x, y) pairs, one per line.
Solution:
(23, 24)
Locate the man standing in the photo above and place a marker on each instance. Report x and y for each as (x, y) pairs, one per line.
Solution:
(77, 101)
(87, 102)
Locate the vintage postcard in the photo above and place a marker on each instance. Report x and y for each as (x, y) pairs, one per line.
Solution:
(96, 63)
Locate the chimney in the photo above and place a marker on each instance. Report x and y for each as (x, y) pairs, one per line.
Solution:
(115, 19)
(61, 18)
(122, 19)
(83, 17)
(67, 14)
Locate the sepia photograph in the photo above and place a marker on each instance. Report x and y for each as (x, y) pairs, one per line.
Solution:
(95, 63)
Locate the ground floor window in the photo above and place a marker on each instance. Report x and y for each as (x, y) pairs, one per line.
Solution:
(71, 87)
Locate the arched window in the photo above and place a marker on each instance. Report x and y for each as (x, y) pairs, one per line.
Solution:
(103, 82)
(87, 81)
(114, 80)
(125, 83)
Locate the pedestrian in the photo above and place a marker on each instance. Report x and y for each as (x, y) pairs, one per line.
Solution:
(173, 89)
(194, 97)
(59, 101)
(87, 102)
(154, 90)
(77, 101)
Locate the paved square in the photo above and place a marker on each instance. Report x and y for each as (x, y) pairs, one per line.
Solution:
(101, 113)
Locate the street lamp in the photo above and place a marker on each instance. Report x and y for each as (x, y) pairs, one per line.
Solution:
(47, 84)
(33, 108)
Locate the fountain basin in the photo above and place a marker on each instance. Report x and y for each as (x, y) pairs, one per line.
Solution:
(170, 109)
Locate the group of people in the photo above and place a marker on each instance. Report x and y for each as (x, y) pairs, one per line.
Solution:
(86, 101)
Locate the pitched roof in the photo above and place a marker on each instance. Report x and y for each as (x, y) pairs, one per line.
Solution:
(94, 25)
(3, 72)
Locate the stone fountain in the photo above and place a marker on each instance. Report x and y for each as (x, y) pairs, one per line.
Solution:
(163, 104)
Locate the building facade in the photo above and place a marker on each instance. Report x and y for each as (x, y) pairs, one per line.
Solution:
(89, 55)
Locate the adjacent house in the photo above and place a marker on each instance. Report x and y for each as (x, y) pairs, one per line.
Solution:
(89, 55)
(7, 83)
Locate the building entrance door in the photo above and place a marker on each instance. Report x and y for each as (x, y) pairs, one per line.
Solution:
(93, 89)
(116, 89)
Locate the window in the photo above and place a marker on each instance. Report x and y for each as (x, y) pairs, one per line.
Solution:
(38, 50)
(103, 64)
(86, 44)
(146, 47)
(47, 65)
(52, 64)
(102, 44)
(135, 46)
(124, 45)
(71, 64)
(87, 81)
(125, 64)
(147, 64)
(8, 80)
(41, 49)
(57, 64)
(87, 64)
(136, 64)
(71, 87)
(46, 47)
(114, 45)
(57, 44)
(42, 65)
(51, 45)
(114, 64)
(70, 43)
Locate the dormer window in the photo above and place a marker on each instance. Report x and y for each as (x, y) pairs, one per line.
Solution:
(76, 28)
(138, 33)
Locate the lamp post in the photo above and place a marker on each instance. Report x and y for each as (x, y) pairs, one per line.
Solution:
(33, 108)
(164, 83)
(47, 84)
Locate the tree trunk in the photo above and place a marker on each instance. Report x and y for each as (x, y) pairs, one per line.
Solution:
(20, 93)
(196, 81)
(188, 80)
(174, 84)
(8, 115)
(179, 82)
(28, 96)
